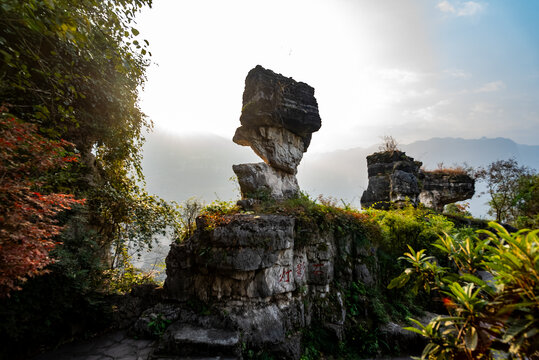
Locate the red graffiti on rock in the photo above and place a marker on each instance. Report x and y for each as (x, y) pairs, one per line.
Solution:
(285, 276)
(318, 269)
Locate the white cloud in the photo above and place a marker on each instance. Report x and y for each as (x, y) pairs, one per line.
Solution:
(490, 117)
(428, 113)
(491, 87)
(457, 73)
(466, 8)
(445, 6)
(400, 75)
(470, 8)
(391, 86)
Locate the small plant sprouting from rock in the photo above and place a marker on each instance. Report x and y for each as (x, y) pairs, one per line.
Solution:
(189, 210)
(455, 169)
(389, 144)
(158, 324)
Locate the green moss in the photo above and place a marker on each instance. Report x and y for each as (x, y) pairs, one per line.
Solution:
(387, 157)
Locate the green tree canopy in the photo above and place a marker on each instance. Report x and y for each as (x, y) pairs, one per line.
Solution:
(502, 178)
(75, 69)
(527, 201)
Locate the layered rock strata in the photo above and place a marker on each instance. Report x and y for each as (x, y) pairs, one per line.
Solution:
(440, 189)
(278, 118)
(395, 178)
(266, 281)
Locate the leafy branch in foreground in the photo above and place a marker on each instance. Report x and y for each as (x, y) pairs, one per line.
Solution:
(493, 300)
(28, 224)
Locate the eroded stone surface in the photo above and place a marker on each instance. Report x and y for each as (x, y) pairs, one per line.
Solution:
(440, 189)
(261, 180)
(205, 335)
(270, 278)
(277, 146)
(199, 335)
(395, 178)
(272, 99)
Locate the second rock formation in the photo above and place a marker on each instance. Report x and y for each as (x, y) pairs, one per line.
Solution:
(395, 178)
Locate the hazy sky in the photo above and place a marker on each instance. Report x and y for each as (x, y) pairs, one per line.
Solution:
(412, 69)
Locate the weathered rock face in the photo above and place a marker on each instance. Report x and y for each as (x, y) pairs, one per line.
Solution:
(395, 178)
(278, 118)
(260, 179)
(278, 147)
(273, 100)
(441, 188)
(266, 281)
(251, 257)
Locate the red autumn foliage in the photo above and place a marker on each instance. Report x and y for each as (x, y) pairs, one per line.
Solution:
(28, 225)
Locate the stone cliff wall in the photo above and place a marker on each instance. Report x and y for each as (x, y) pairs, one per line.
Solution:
(441, 188)
(267, 279)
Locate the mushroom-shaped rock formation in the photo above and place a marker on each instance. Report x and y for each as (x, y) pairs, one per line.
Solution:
(278, 118)
(396, 178)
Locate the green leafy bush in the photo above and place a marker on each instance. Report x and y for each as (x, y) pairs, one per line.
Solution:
(491, 295)
(410, 226)
(400, 228)
(158, 325)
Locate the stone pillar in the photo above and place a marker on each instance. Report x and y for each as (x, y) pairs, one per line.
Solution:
(278, 118)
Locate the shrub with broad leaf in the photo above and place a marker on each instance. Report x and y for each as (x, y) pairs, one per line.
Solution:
(491, 295)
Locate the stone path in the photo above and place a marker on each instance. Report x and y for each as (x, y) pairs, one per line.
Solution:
(118, 346)
(111, 346)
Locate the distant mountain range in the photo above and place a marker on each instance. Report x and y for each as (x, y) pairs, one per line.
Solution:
(180, 167)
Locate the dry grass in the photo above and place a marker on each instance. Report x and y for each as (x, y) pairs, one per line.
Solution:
(453, 170)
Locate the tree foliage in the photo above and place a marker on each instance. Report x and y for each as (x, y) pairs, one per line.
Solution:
(28, 224)
(527, 201)
(75, 69)
(502, 179)
(189, 210)
(491, 293)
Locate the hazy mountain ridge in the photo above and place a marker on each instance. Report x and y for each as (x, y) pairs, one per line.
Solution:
(179, 167)
(474, 152)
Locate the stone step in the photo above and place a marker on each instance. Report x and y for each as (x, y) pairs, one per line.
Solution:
(195, 358)
(186, 341)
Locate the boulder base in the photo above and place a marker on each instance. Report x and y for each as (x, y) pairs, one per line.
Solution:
(261, 181)
(266, 279)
